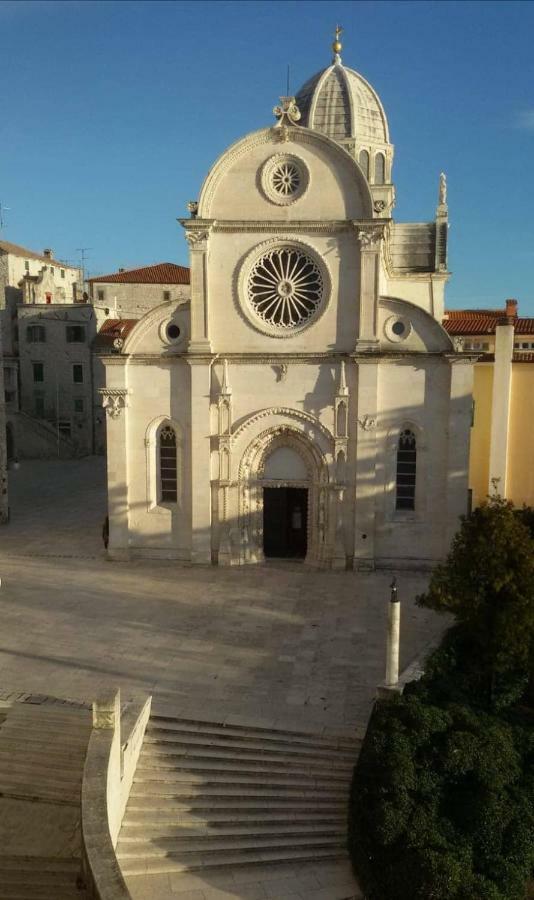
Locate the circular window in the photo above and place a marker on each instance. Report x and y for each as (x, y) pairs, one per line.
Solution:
(173, 332)
(284, 178)
(397, 328)
(285, 287)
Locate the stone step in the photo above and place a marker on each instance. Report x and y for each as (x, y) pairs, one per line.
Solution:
(223, 742)
(204, 804)
(153, 821)
(24, 790)
(195, 784)
(75, 740)
(179, 848)
(160, 767)
(41, 752)
(171, 833)
(34, 878)
(47, 720)
(157, 724)
(132, 867)
(39, 773)
(154, 779)
(30, 891)
(40, 864)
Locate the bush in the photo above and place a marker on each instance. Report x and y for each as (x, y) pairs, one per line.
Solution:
(442, 804)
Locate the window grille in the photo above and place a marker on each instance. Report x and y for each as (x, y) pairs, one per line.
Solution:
(168, 469)
(406, 470)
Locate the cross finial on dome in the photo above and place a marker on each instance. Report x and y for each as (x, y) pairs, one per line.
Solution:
(337, 46)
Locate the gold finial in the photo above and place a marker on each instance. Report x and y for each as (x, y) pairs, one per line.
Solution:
(337, 46)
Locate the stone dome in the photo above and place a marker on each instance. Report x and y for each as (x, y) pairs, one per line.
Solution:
(338, 102)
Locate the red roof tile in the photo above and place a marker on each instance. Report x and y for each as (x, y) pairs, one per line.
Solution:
(161, 273)
(482, 321)
(113, 329)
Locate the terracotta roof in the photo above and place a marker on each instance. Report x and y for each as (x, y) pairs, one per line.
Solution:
(17, 250)
(161, 273)
(524, 326)
(111, 330)
(482, 321)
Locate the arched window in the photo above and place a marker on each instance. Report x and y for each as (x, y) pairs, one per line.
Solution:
(167, 465)
(406, 470)
(380, 168)
(364, 163)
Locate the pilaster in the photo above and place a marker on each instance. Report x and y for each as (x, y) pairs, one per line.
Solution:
(458, 429)
(115, 402)
(200, 461)
(224, 410)
(500, 406)
(197, 236)
(370, 236)
(365, 465)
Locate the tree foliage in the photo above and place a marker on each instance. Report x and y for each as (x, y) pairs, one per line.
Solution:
(442, 804)
(442, 800)
(487, 583)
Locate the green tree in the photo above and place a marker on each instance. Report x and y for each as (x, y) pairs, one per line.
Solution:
(487, 583)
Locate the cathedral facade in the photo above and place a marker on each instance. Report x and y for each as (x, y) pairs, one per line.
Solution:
(306, 401)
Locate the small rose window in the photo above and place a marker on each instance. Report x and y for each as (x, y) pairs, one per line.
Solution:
(284, 178)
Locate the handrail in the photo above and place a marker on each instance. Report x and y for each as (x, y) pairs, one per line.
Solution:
(107, 779)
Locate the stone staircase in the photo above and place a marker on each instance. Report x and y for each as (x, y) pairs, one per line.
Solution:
(209, 796)
(42, 753)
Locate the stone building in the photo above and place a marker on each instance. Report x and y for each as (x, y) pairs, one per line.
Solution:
(119, 300)
(306, 402)
(502, 437)
(47, 329)
(130, 293)
(55, 415)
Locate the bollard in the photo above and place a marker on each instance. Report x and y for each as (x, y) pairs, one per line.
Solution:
(393, 640)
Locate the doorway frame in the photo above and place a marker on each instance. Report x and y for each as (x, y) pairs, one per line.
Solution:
(252, 481)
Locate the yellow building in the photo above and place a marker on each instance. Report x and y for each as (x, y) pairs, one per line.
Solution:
(502, 435)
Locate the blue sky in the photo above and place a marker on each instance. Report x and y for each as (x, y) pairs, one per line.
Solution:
(112, 113)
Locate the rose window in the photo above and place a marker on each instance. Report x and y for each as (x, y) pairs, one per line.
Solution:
(285, 179)
(285, 287)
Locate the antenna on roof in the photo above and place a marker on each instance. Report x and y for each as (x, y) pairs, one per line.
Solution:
(83, 251)
(3, 209)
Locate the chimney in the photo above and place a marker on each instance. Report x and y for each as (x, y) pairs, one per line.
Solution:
(47, 252)
(511, 309)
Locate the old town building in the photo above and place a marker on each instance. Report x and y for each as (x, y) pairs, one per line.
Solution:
(502, 438)
(306, 401)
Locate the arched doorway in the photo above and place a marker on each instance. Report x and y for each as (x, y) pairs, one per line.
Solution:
(283, 497)
(285, 504)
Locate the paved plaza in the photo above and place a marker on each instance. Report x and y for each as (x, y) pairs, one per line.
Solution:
(279, 645)
(276, 644)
